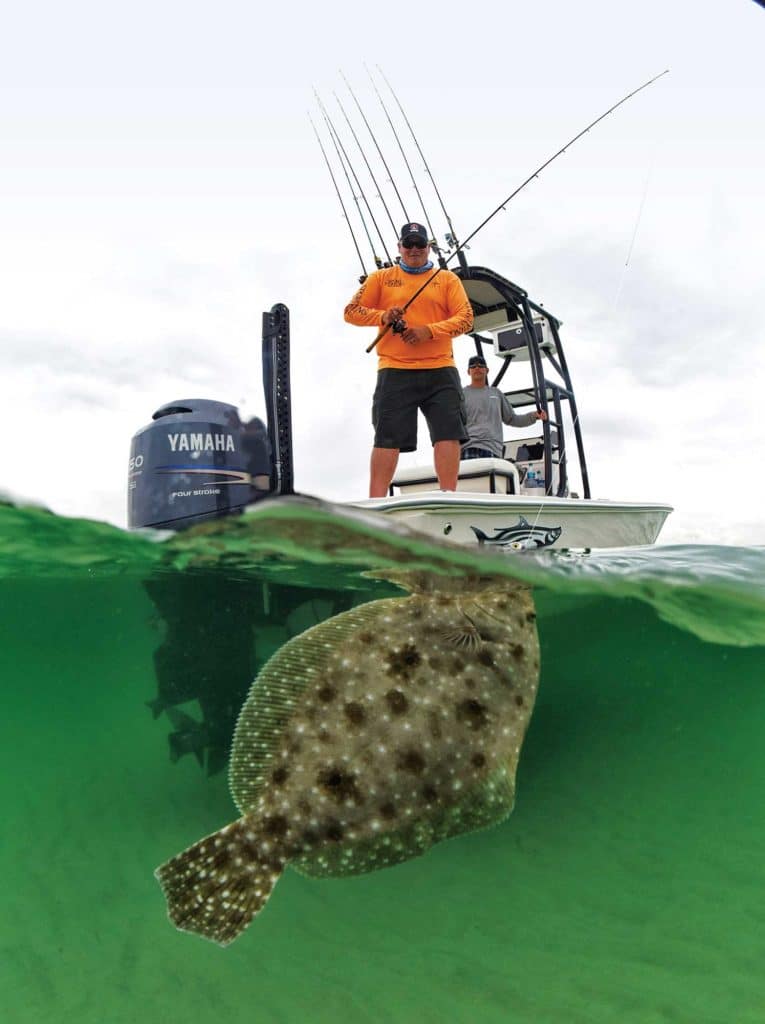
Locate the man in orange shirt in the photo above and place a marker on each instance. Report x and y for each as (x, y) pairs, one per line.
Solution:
(416, 368)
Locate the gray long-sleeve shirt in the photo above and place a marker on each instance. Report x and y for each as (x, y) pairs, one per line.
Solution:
(486, 409)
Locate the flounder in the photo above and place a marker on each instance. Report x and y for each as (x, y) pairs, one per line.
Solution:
(364, 741)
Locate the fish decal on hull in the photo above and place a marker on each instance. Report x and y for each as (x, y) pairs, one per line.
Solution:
(521, 537)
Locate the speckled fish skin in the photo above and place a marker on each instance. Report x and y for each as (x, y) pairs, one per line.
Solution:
(364, 741)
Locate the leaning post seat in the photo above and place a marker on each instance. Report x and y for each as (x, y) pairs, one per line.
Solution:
(484, 476)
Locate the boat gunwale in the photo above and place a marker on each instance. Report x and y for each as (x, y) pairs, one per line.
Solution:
(435, 501)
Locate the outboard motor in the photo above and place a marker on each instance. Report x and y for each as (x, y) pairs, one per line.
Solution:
(198, 460)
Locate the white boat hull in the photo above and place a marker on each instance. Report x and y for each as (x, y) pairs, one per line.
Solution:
(518, 522)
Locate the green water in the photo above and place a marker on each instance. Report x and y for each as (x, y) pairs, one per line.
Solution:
(625, 887)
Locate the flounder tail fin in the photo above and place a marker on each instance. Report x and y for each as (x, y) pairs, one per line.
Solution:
(219, 884)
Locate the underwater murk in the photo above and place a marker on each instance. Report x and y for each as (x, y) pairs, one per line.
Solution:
(565, 822)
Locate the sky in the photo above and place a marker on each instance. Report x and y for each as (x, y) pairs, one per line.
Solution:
(161, 186)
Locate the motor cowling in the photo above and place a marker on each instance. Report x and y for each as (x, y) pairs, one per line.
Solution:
(196, 460)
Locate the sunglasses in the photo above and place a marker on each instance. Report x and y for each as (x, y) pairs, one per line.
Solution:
(410, 244)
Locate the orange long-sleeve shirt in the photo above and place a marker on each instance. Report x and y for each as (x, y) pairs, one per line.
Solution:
(443, 306)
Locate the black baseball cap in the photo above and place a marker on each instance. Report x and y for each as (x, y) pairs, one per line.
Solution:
(476, 361)
(413, 230)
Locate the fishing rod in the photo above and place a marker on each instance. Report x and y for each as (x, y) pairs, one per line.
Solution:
(453, 239)
(350, 166)
(398, 326)
(340, 198)
(377, 146)
(408, 166)
(369, 166)
(377, 261)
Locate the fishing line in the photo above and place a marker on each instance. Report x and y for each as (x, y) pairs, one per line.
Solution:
(632, 240)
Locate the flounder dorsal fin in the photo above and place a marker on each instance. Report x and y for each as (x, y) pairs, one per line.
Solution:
(277, 691)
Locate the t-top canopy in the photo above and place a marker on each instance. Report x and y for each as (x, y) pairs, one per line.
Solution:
(495, 299)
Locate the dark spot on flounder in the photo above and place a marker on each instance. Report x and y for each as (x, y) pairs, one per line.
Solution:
(237, 918)
(339, 785)
(327, 693)
(472, 713)
(478, 760)
(401, 663)
(355, 713)
(280, 775)
(388, 811)
(429, 794)
(366, 637)
(221, 859)
(276, 826)
(333, 830)
(411, 761)
(397, 702)
(485, 658)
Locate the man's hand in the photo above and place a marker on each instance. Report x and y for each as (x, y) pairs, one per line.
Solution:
(412, 335)
(392, 314)
(541, 414)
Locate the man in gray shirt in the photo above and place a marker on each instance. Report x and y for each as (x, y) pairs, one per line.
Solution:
(486, 409)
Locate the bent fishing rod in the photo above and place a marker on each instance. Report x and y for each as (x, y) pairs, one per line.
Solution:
(399, 326)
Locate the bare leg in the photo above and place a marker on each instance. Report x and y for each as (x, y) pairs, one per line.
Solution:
(446, 455)
(382, 466)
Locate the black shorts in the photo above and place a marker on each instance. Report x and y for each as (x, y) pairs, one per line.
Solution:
(400, 393)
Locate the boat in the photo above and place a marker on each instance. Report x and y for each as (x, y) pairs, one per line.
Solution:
(526, 499)
(197, 460)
